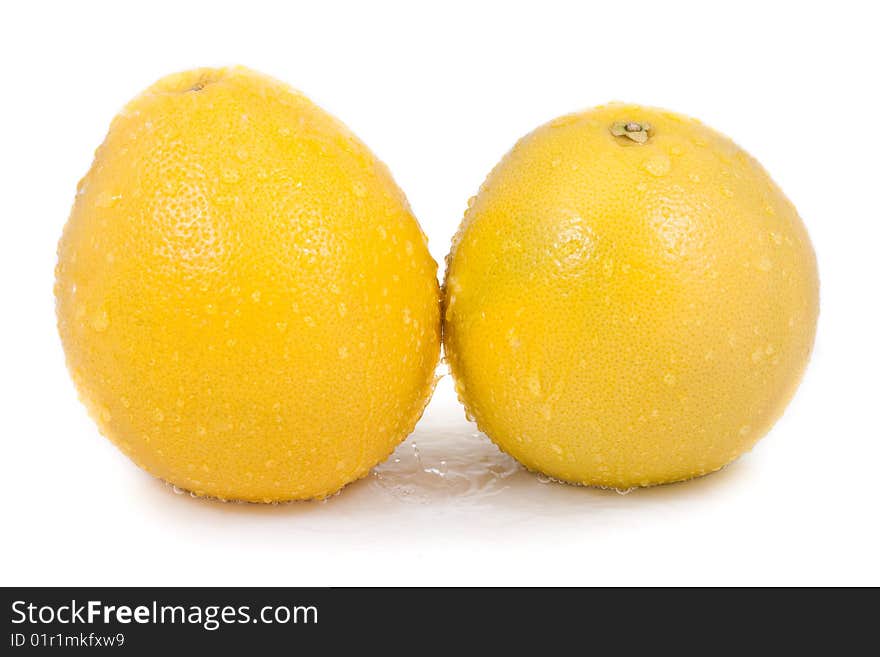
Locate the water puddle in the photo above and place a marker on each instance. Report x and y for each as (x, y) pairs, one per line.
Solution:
(445, 464)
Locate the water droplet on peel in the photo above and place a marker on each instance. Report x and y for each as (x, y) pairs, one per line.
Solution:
(106, 200)
(624, 491)
(669, 379)
(543, 479)
(534, 384)
(657, 165)
(608, 267)
(100, 320)
(359, 189)
(177, 490)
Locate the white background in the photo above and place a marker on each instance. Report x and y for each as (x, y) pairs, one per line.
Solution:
(440, 92)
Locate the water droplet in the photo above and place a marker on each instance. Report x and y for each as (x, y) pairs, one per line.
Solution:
(543, 479)
(359, 189)
(255, 296)
(343, 352)
(657, 165)
(229, 176)
(624, 491)
(158, 415)
(765, 264)
(106, 200)
(669, 379)
(534, 384)
(608, 267)
(100, 320)
(744, 430)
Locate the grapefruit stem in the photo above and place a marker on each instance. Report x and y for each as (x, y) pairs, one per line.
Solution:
(633, 130)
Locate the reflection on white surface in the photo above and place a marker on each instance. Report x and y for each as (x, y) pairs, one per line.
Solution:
(448, 464)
